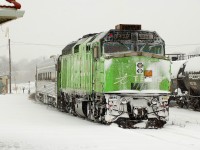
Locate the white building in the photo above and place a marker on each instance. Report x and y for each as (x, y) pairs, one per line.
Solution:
(9, 12)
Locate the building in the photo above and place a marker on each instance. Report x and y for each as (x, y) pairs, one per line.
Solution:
(4, 84)
(176, 56)
(8, 13)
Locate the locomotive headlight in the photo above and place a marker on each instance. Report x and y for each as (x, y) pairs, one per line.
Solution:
(124, 100)
(154, 101)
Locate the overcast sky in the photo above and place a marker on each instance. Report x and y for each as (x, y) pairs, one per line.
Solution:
(47, 25)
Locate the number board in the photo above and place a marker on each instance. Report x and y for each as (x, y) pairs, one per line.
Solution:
(118, 36)
(122, 36)
(145, 36)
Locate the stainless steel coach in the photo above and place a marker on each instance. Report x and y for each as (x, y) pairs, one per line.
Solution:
(46, 81)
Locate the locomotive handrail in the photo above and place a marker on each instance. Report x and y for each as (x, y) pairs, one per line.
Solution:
(193, 96)
(114, 55)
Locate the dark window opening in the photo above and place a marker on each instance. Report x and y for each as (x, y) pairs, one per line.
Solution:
(87, 48)
(76, 49)
(68, 49)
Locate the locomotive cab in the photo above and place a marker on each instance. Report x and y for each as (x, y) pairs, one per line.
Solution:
(118, 76)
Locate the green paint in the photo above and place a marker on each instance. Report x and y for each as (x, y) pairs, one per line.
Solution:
(80, 71)
(164, 85)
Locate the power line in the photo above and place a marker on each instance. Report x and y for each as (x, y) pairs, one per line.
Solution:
(55, 45)
(42, 44)
(179, 45)
(36, 44)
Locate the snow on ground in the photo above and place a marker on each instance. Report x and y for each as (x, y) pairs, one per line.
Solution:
(29, 125)
(18, 88)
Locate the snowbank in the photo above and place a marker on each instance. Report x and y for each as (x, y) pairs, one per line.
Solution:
(29, 125)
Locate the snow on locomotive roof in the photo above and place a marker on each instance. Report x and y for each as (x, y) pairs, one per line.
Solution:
(175, 67)
(193, 65)
(100, 36)
(48, 62)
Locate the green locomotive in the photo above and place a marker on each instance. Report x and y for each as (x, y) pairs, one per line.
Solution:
(121, 75)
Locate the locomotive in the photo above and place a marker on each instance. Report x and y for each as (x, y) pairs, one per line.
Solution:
(121, 75)
(186, 84)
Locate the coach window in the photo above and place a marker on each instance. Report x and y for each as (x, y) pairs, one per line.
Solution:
(47, 75)
(44, 76)
(53, 77)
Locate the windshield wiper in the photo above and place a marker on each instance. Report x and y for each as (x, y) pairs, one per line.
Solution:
(123, 44)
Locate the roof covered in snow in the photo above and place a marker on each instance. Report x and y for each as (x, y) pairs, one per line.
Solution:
(8, 14)
(193, 65)
(176, 65)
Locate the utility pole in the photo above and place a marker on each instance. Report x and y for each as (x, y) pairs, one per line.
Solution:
(9, 63)
(7, 35)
